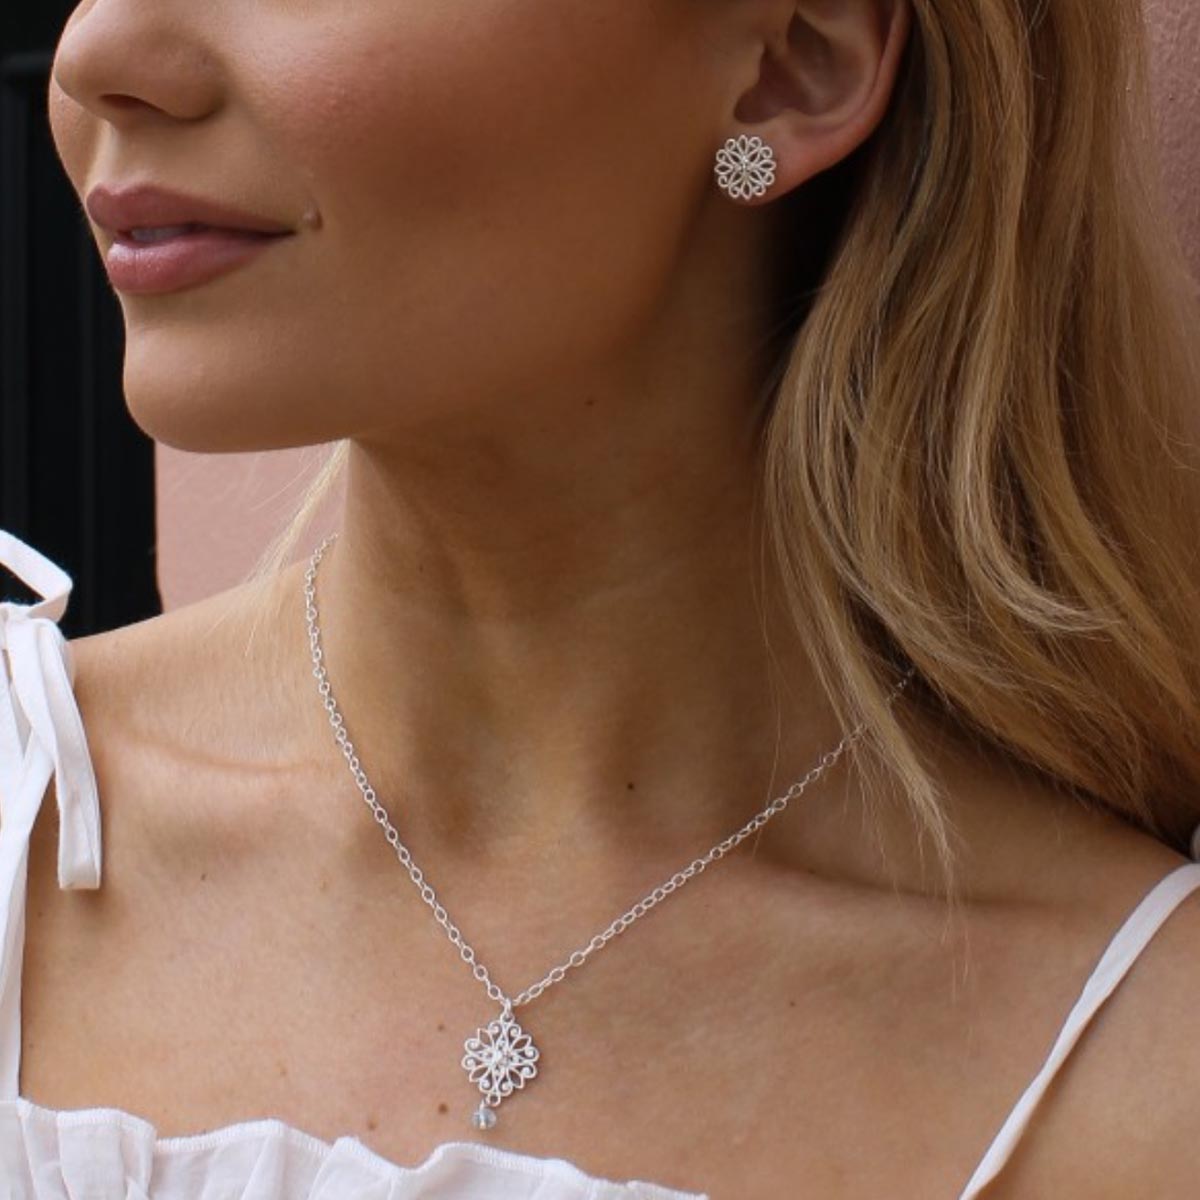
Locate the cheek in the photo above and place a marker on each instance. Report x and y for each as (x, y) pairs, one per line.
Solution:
(411, 110)
(504, 196)
(500, 193)
(74, 131)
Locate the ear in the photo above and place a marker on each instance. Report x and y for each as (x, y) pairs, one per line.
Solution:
(823, 74)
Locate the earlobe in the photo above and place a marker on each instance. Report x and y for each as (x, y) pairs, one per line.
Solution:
(824, 82)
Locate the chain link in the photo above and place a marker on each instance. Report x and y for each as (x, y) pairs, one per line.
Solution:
(623, 922)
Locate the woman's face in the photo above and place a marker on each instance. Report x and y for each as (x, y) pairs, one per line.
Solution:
(502, 188)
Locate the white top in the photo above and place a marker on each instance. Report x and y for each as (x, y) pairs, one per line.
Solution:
(110, 1154)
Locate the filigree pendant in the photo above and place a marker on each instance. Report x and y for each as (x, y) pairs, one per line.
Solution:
(499, 1059)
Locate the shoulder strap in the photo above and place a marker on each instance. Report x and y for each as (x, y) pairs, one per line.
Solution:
(1128, 942)
(39, 713)
(41, 734)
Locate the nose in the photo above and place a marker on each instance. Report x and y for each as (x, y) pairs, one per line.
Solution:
(133, 62)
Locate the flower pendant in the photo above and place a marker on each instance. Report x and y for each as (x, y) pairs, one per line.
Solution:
(499, 1059)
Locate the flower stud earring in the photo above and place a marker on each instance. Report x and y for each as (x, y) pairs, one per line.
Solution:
(745, 167)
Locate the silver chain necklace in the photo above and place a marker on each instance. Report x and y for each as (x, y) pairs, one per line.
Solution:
(501, 1057)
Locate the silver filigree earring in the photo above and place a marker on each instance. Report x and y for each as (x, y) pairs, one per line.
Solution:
(745, 167)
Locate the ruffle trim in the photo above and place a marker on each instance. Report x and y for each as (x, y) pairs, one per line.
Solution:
(111, 1154)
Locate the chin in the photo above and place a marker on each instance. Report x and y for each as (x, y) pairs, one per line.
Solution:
(205, 411)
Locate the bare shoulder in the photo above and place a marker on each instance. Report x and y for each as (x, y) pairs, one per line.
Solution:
(158, 678)
(139, 666)
(189, 707)
(1052, 882)
(1149, 1101)
(1121, 1117)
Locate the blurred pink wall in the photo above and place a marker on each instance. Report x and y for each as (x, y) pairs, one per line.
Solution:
(1175, 34)
(216, 513)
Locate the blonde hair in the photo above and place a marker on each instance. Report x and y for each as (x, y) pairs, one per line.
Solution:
(978, 455)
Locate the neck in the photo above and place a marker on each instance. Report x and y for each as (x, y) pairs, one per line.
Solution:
(514, 673)
(550, 619)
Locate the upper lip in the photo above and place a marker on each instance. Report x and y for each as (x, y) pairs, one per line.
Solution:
(146, 206)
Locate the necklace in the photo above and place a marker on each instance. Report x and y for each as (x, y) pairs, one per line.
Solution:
(501, 1058)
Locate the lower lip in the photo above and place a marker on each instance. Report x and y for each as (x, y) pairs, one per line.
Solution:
(147, 268)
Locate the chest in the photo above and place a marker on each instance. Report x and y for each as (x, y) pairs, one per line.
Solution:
(731, 1044)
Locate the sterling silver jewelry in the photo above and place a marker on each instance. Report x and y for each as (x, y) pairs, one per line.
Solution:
(745, 166)
(501, 1058)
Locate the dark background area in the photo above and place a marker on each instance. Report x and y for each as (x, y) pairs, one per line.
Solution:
(76, 473)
